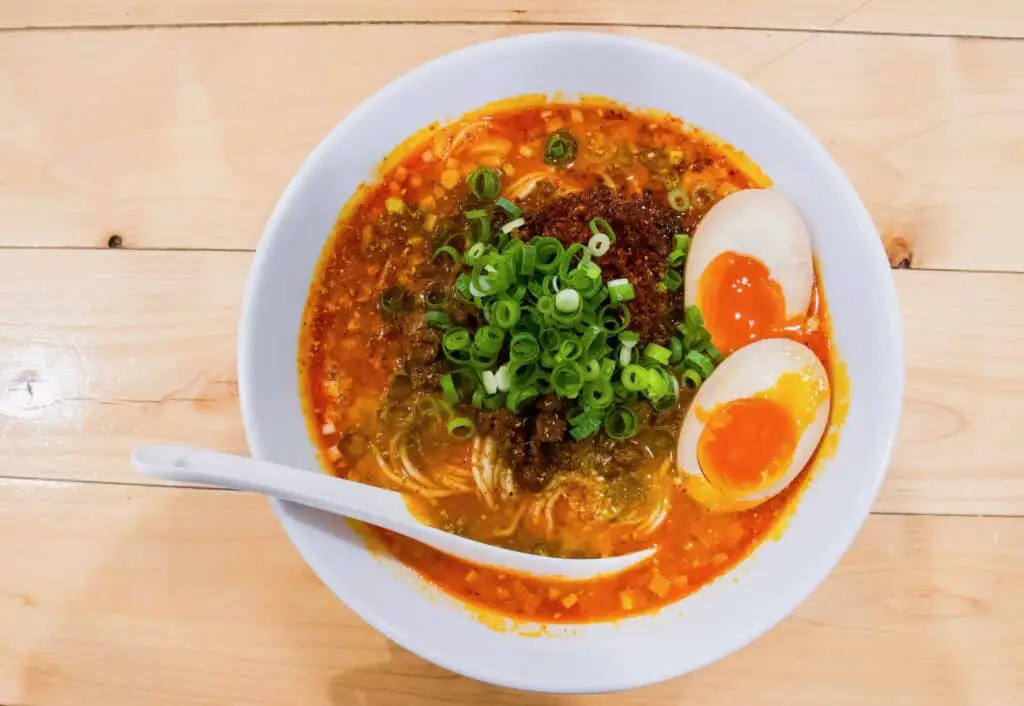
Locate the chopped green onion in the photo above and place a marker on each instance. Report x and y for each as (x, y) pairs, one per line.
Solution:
(592, 370)
(634, 377)
(620, 423)
(462, 428)
(490, 381)
(519, 397)
(449, 251)
(550, 339)
(691, 379)
(479, 395)
(676, 258)
(621, 290)
(456, 343)
(599, 226)
(682, 242)
(659, 354)
(484, 183)
(676, 346)
(495, 401)
(679, 200)
(672, 281)
(613, 323)
(508, 207)
(666, 402)
(549, 252)
(521, 374)
(451, 394)
(462, 287)
(512, 225)
(475, 252)
(438, 320)
(480, 359)
(585, 426)
(567, 301)
(393, 302)
(567, 379)
(503, 379)
(528, 263)
(568, 349)
(599, 244)
(560, 148)
(524, 348)
(627, 354)
(659, 383)
(489, 339)
(505, 312)
(695, 360)
(598, 394)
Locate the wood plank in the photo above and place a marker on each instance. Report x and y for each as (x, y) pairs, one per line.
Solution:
(997, 18)
(142, 348)
(120, 595)
(185, 137)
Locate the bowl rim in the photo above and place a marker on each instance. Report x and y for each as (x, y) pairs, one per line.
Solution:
(823, 562)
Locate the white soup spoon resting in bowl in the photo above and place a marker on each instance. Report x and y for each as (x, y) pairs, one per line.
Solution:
(358, 501)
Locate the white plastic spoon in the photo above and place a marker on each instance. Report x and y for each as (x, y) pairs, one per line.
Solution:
(367, 503)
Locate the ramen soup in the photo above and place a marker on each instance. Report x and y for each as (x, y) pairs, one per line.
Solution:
(574, 330)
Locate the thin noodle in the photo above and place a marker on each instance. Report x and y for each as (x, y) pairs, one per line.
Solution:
(407, 484)
(549, 511)
(650, 520)
(490, 476)
(411, 471)
(385, 468)
(507, 481)
(499, 146)
(463, 133)
(514, 525)
(478, 472)
(521, 187)
(451, 479)
(653, 522)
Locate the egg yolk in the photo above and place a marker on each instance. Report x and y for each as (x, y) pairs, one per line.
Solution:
(746, 443)
(740, 301)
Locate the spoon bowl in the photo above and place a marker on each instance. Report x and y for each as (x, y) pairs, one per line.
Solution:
(358, 501)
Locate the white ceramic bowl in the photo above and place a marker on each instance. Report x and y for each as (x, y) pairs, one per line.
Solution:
(722, 616)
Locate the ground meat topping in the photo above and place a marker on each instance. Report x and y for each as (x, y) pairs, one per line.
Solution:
(644, 226)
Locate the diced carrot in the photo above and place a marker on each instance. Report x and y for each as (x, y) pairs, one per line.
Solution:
(659, 585)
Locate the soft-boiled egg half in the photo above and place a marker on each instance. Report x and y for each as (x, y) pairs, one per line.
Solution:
(749, 269)
(753, 425)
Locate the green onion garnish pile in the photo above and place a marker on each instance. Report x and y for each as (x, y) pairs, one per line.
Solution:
(554, 325)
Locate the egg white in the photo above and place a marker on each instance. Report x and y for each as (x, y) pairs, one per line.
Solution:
(763, 224)
(752, 370)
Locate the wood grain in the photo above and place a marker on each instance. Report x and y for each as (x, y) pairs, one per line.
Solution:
(142, 348)
(115, 595)
(184, 138)
(995, 18)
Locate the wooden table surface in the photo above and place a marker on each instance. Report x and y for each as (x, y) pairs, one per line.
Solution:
(173, 126)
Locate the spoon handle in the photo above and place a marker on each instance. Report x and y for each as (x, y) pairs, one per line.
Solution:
(375, 506)
(367, 503)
